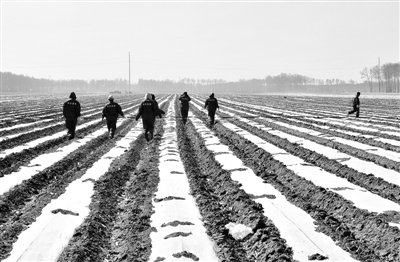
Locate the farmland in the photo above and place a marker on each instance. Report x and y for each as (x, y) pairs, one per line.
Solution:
(277, 178)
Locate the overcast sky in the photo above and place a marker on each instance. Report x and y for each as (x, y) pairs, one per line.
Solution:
(172, 40)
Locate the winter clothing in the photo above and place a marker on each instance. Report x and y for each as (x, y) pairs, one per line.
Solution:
(153, 97)
(185, 99)
(111, 112)
(212, 106)
(71, 112)
(356, 105)
(148, 110)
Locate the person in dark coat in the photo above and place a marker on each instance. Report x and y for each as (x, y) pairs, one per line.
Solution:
(71, 112)
(185, 99)
(111, 112)
(148, 110)
(212, 106)
(356, 106)
(153, 97)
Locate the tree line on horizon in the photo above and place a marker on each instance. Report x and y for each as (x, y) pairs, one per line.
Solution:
(376, 79)
(386, 77)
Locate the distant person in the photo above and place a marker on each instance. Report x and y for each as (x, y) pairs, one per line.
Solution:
(356, 106)
(111, 112)
(185, 99)
(148, 110)
(212, 106)
(153, 97)
(71, 112)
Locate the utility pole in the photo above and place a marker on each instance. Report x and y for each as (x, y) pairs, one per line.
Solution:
(379, 73)
(129, 85)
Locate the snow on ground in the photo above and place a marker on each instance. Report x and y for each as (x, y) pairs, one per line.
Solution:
(174, 183)
(294, 224)
(45, 239)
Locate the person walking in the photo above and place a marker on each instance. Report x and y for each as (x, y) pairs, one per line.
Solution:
(71, 112)
(148, 110)
(356, 106)
(111, 112)
(185, 99)
(212, 106)
(153, 97)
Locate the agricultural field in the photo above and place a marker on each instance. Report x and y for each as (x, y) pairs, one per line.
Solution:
(276, 178)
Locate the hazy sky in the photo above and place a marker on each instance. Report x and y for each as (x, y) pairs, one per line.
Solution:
(171, 40)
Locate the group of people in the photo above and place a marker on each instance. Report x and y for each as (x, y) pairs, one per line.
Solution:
(148, 111)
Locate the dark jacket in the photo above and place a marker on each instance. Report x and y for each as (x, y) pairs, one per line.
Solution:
(184, 101)
(160, 111)
(112, 110)
(211, 104)
(356, 102)
(72, 109)
(148, 110)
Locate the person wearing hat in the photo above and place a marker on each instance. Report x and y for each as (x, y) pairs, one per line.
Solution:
(185, 99)
(71, 112)
(111, 112)
(356, 105)
(148, 110)
(212, 106)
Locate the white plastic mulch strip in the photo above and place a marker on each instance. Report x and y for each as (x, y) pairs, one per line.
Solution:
(367, 167)
(23, 125)
(45, 239)
(361, 126)
(46, 138)
(38, 128)
(312, 116)
(370, 149)
(352, 133)
(359, 196)
(84, 114)
(294, 224)
(26, 132)
(190, 234)
(43, 161)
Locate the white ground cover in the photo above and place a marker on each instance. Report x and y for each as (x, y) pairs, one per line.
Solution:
(352, 133)
(47, 138)
(294, 224)
(45, 239)
(361, 126)
(359, 196)
(23, 125)
(39, 128)
(182, 210)
(59, 115)
(28, 131)
(367, 167)
(84, 114)
(43, 161)
(312, 116)
(371, 149)
(366, 115)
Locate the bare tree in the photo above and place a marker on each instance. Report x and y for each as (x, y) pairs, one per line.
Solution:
(366, 74)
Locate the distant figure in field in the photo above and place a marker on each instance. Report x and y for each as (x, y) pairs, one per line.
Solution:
(71, 112)
(153, 97)
(185, 99)
(111, 112)
(356, 106)
(212, 106)
(148, 110)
